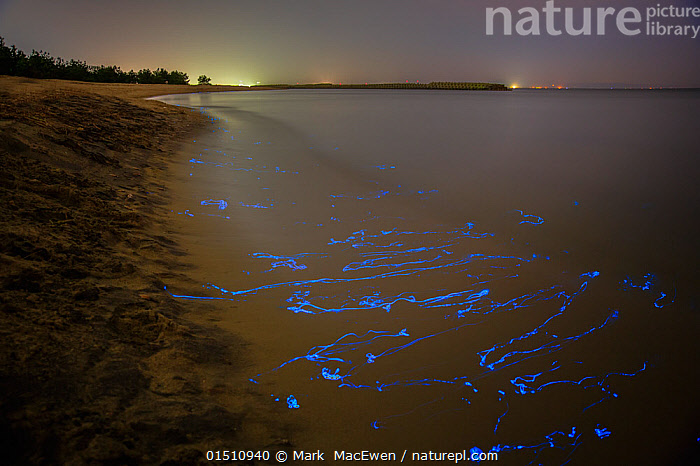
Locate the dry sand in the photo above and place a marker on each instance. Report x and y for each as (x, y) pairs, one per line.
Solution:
(98, 365)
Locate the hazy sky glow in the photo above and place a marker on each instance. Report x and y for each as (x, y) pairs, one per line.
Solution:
(280, 41)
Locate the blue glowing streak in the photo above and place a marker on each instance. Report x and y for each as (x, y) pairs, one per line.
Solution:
(476, 452)
(373, 302)
(292, 402)
(546, 348)
(557, 439)
(255, 206)
(568, 300)
(648, 284)
(397, 273)
(382, 193)
(326, 374)
(536, 219)
(186, 212)
(434, 252)
(232, 166)
(372, 195)
(291, 263)
(602, 432)
(660, 298)
(326, 353)
(221, 203)
(222, 165)
(190, 214)
(524, 387)
(515, 303)
(552, 346)
(360, 238)
(372, 263)
(498, 421)
(285, 261)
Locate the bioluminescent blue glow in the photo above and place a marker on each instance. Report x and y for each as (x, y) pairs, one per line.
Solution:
(292, 402)
(382, 193)
(648, 283)
(440, 320)
(525, 385)
(232, 166)
(257, 206)
(221, 203)
(602, 432)
(284, 261)
(373, 195)
(567, 442)
(530, 218)
(191, 214)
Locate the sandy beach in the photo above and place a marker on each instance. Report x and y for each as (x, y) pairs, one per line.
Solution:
(99, 365)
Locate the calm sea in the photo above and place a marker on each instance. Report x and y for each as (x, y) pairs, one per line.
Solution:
(457, 271)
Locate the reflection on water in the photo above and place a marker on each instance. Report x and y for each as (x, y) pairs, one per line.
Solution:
(508, 273)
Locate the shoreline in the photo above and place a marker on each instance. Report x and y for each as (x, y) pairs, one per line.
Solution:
(99, 363)
(432, 86)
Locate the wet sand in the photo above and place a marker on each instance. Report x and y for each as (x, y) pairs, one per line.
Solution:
(100, 365)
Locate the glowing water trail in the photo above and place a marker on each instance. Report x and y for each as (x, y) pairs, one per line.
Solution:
(360, 238)
(423, 193)
(292, 402)
(558, 439)
(602, 432)
(229, 165)
(398, 273)
(232, 166)
(301, 304)
(286, 261)
(372, 263)
(530, 218)
(524, 387)
(379, 386)
(546, 348)
(569, 299)
(648, 284)
(523, 301)
(190, 214)
(468, 298)
(256, 206)
(221, 203)
(399, 254)
(372, 195)
(498, 421)
(473, 297)
(375, 257)
(325, 353)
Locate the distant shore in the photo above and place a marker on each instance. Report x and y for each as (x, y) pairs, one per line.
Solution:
(98, 364)
(132, 92)
(442, 86)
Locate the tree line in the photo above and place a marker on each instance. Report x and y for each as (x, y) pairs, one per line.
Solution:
(41, 65)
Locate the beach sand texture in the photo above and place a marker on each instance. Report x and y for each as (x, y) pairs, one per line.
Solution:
(99, 365)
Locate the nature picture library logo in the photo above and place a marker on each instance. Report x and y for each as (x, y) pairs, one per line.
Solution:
(553, 20)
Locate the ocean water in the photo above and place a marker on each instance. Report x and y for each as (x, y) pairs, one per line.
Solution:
(421, 271)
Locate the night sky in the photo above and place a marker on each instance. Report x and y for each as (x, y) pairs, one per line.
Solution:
(289, 41)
